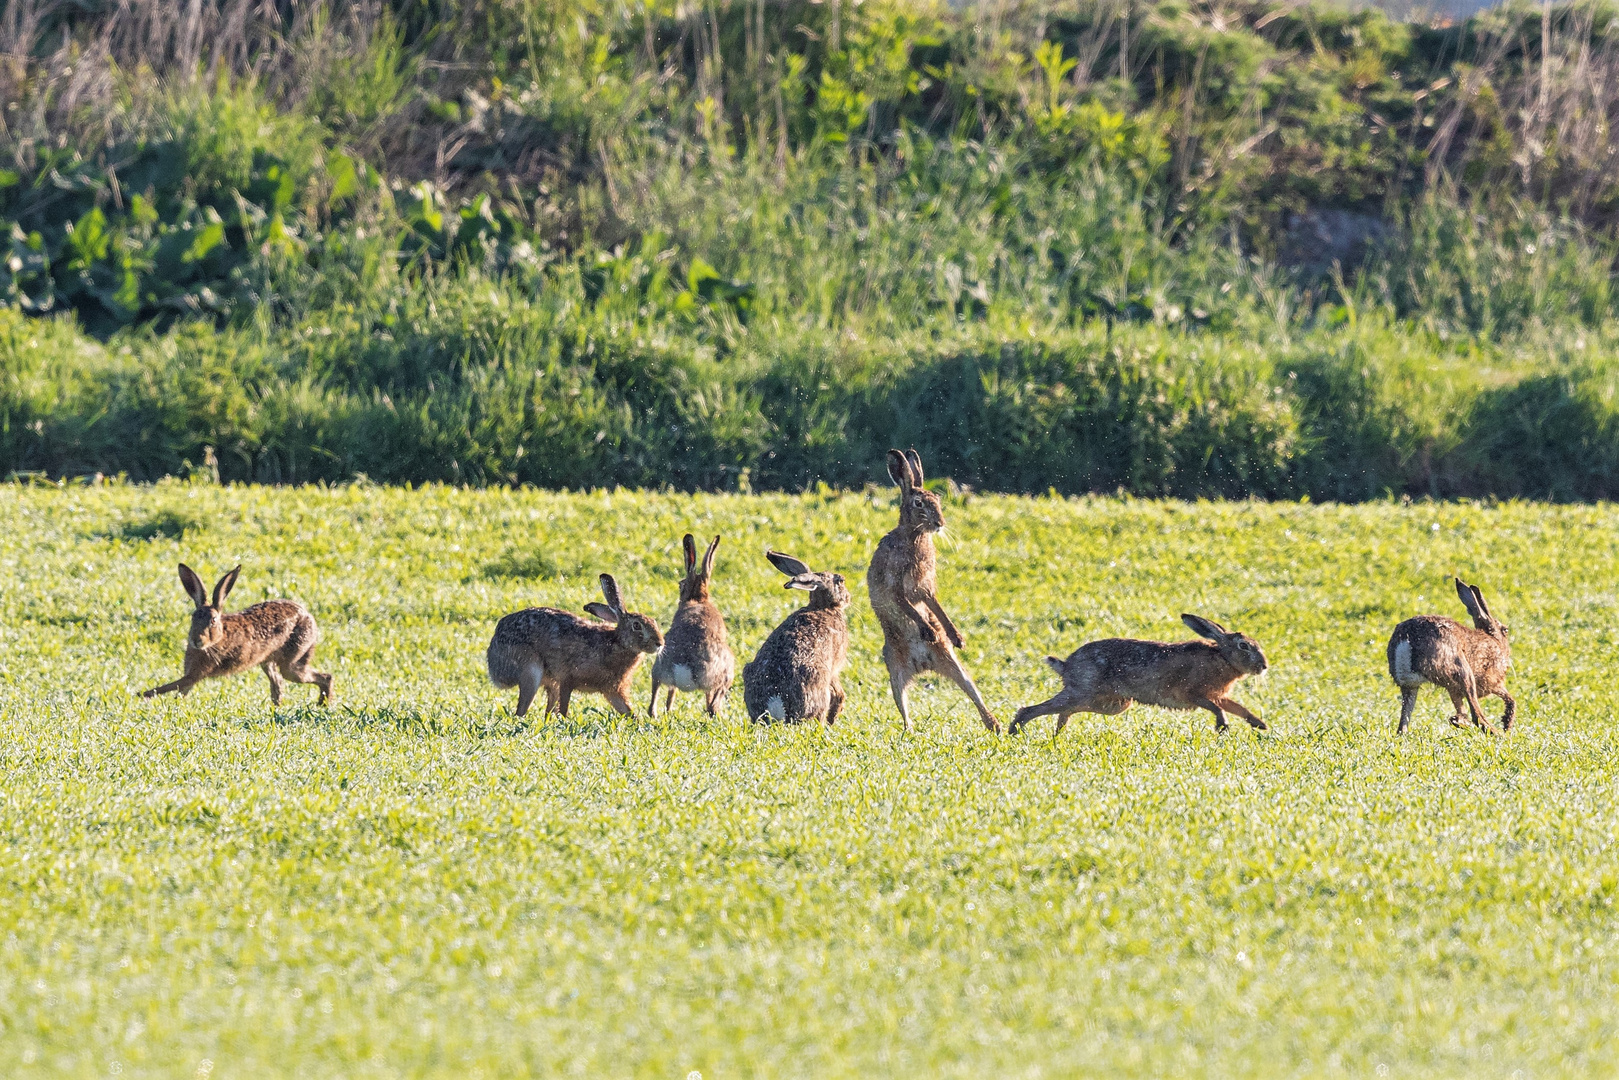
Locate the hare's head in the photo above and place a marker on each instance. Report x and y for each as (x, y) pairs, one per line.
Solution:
(695, 584)
(826, 590)
(919, 509)
(1473, 601)
(208, 620)
(635, 630)
(1239, 650)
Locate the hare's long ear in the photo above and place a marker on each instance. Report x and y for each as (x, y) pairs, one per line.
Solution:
(899, 470)
(916, 466)
(193, 586)
(787, 564)
(224, 586)
(708, 559)
(1471, 600)
(690, 546)
(610, 590)
(807, 582)
(1207, 628)
(602, 612)
(1482, 606)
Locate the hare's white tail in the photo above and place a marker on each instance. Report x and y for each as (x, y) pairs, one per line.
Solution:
(1401, 668)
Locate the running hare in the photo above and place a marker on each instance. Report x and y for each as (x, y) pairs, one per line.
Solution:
(1466, 662)
(695, 653)
(276, 635)
(560, 651)
(795, 674)
(1106, 676)
(917, 634)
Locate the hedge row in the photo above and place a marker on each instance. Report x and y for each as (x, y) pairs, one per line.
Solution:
(484, 387)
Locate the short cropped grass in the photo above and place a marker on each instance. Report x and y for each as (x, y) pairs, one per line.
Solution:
(411, 883)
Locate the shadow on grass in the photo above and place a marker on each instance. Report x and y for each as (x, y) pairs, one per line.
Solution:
(163, 525)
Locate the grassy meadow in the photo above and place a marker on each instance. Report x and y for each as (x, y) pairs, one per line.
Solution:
(412, 884)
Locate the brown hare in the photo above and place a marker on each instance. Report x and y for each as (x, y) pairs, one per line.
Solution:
(795, 674)
(1107, 676)
(917, 634)
(1467, 662)
(560, 651)
(695, 653)
(276, 635)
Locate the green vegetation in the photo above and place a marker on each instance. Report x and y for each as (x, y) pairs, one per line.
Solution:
(410, 884)
(1178, 248)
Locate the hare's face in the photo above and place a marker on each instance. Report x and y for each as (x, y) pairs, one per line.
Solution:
(640, 633)
(207, 628)
(923, 511)
(1242, 652)
(832, 591)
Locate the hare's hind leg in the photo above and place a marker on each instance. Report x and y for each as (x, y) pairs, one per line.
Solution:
(275, 681)
(1408, 705)
(899, 680)
(652, 706)
(301, 671)
(946, 663)
(1059, 704)
(528, 684)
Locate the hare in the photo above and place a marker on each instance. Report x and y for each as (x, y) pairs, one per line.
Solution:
(795, 674)
(560, 651)
(1468, 662)
(917, 634)
(1106, 676)
(695, 653)
(276, 635)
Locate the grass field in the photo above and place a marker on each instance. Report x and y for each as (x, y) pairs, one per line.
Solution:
(409, 884)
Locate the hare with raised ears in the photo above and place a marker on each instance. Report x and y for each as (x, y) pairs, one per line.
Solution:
(1467, 662)
(276, 635)
(560, 651)
(917, 634)
(1107, 676)
(696, 654)
(795, 674)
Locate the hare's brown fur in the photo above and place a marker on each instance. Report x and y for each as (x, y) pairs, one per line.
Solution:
(1106, 676)
(794, 676)
(696, 653)
(1468, 662)
(278, 636)
(562, 652)
(917, 634)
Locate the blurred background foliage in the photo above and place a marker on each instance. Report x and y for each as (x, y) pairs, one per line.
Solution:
(1172, 248)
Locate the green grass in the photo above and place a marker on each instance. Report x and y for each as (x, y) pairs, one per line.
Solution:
(409, 884)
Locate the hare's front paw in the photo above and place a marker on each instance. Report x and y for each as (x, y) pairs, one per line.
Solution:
(956, 639)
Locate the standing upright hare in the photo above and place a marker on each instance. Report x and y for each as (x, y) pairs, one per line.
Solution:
(695, 653)
(917, 634)
(276, 635)
(1468, 662)
(1107, 676)
(560, 651)
(794, 676)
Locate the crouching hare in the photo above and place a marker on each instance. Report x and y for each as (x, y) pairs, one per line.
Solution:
(1467, 662)
(560, 651)
(696, 654)
(1107, 676)
(276, 635)
(795, 674)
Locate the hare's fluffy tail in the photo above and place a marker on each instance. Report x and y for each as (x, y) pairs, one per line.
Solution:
(1056, 664)
(503, 665)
